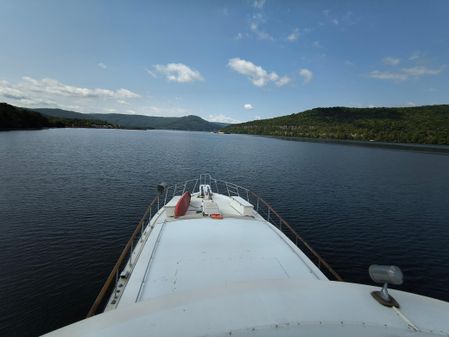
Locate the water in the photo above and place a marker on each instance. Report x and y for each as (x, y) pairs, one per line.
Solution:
(70, 199)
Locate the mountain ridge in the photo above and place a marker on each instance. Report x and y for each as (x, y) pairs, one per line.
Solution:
(428, 124)
(189, 123)
(16, 118)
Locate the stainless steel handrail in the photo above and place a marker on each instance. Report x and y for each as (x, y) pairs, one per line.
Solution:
(192, 185)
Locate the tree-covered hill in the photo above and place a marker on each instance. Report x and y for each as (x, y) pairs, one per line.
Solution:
(191, 123)
(421, 125)
(15, 118)
(12, 117)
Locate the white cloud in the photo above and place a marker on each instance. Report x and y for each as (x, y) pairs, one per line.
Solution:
(415, 55)
(102, 65)
(341, 19)
(306, 74)
(406, 73)
(248, 106)
(294, 35)
(421, 71)
(56, 88)
(386, 75)
(256, 74)
(411, 103)
(151, 73)
(109, 110)
(261, 34)
(283, 81)
(46, 92)
(125, 93)
(220, 118)
(391, 61)
(258, 118)
(9, 91)
(259, 4)
(178, 72)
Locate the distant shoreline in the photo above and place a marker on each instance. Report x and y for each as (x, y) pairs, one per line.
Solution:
(399, 146)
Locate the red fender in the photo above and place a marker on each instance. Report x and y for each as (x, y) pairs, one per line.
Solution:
(182, 205)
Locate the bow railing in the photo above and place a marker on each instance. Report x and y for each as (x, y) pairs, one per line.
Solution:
(166, 193)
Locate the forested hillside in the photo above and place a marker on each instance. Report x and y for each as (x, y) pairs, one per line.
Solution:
(422, 125)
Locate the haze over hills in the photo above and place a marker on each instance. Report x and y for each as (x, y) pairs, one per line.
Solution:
(191, 123)
(422, 125)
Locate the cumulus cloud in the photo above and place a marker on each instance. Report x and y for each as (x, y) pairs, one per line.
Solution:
(306, 74)
(102, 65)
(220, 118)
(53, 87)
(47, 92)
(406, 73)
(391, 61)
(178, 72)
(283, 81)
(248, 106)
(9, 91)
(294, 35)
(256, 74)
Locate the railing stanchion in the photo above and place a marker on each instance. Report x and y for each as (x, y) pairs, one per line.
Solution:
(131, 254)
(194, 186)
(116, 283)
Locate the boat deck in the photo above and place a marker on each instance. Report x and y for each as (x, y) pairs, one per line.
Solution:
(195, 251)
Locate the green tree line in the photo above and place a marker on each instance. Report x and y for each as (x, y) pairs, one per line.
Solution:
(420, 125)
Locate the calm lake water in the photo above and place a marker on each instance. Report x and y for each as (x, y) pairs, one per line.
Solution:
(70, 199)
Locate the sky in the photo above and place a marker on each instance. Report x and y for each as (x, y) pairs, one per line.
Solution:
(225, 61)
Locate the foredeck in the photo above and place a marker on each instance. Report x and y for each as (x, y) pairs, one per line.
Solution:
(195, 252)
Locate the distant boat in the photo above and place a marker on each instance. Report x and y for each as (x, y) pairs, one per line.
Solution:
(211, 258)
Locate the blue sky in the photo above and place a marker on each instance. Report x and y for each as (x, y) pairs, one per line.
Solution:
(223, 60)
